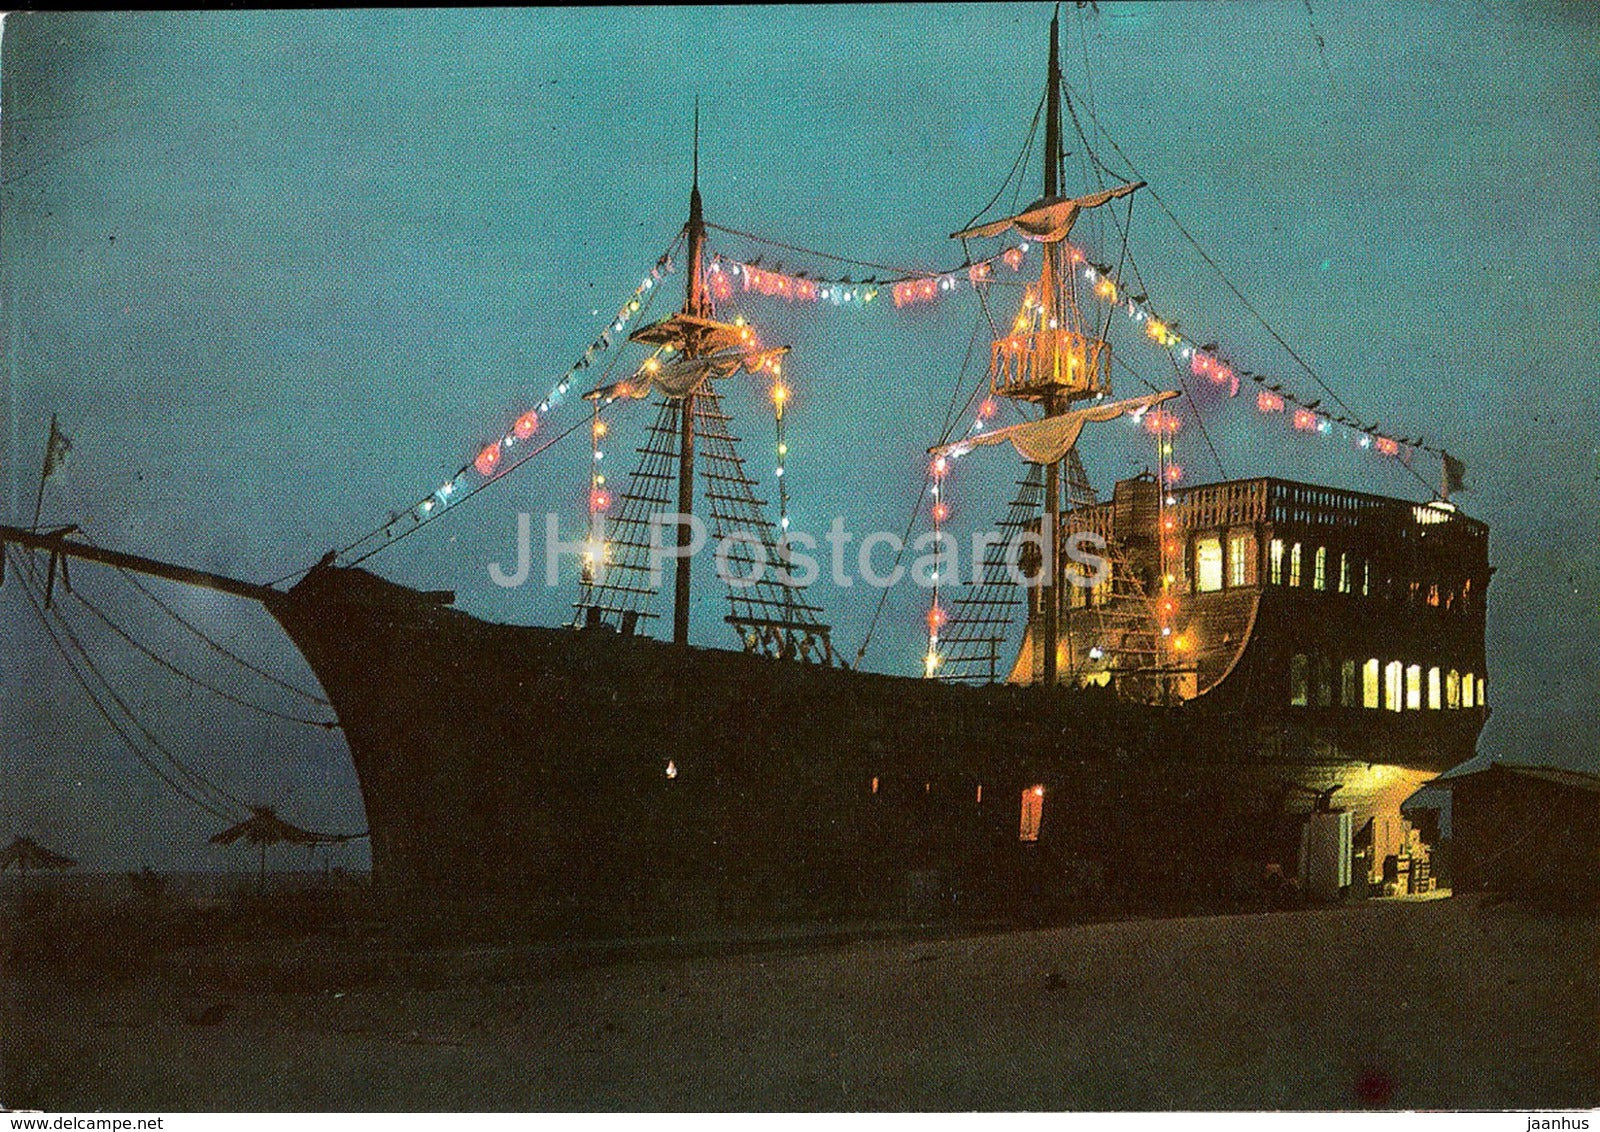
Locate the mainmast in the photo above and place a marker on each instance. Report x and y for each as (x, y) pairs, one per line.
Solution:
(1049, 294)
(1052, 357)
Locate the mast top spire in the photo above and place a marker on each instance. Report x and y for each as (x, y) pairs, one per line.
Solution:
(1052, 120)
(696, 302)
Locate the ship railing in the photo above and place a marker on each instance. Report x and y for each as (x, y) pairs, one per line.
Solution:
(1031, 366)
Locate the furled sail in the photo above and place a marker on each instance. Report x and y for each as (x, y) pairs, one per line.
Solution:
(1048, 440)
(680, 378)
(1049, 219)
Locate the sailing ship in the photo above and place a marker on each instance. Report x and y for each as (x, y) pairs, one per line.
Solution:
(1256, 650)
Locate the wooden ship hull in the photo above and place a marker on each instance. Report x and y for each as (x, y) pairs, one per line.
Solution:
(587, 776)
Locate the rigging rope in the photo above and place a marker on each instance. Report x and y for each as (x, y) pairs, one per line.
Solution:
(1177, 372)
(901, 274)
(200, 783)
(200, 791)
(1217, 270)
(101, 616)
(951, 414)
(1022, 157)
(602, 343)
(1211, 263)
(133, 579)
(456, 506)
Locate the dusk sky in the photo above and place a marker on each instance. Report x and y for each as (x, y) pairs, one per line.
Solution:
(279, 273)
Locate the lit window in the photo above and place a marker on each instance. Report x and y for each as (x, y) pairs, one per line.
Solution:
(1366, 577)
(1483, 691)
(1468, 699)
(1393, 683)
(874, 784)
(1434, 697)
(1452, 689)
(1275, 562)
(980, 793)
(1348, 695)
(1294, 565)
(1324, 681)
(1369, 683)
(1319, 569)
(1299, 672)
(1414, 688)
(1344, 573)
(1207, 564)
(1032, 813)
(1240, 552)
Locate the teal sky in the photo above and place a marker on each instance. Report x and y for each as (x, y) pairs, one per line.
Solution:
(280, 272)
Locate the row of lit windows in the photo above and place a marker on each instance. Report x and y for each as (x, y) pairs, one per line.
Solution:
(1290, 566)
(1285, 565)
(1350, 573)
(1392, 687)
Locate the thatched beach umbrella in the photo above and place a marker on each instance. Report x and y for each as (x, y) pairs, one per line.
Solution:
(262, 828)
(26, 854)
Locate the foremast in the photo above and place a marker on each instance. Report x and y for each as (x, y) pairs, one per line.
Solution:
(690, 441)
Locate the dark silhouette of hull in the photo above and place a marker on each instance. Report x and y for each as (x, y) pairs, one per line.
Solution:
(592, 776)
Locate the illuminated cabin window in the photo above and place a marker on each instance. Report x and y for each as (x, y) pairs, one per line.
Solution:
(1468, 699)
(1435, 699)
(1452, 689)
(1349, 696)
(1032, 813)
(1241, 558)
(1344, 572)
(1366, 578)
(1275, 562)
(1208, 564)
(1393, 685)
(1294, 565)
(1319, 569)
(1324, 681)
(1299, 673)
(1414, 688)
(1369, 683)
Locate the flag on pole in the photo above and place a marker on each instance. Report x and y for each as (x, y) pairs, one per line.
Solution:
(55, 453)
(1455, 474)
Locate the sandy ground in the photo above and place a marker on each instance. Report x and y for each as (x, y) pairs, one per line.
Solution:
(1437, 1004)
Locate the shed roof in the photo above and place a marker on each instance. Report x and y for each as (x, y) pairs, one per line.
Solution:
(1560, 776)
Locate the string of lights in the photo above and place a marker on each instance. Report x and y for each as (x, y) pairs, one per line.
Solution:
(905, 288)
(489, 460)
